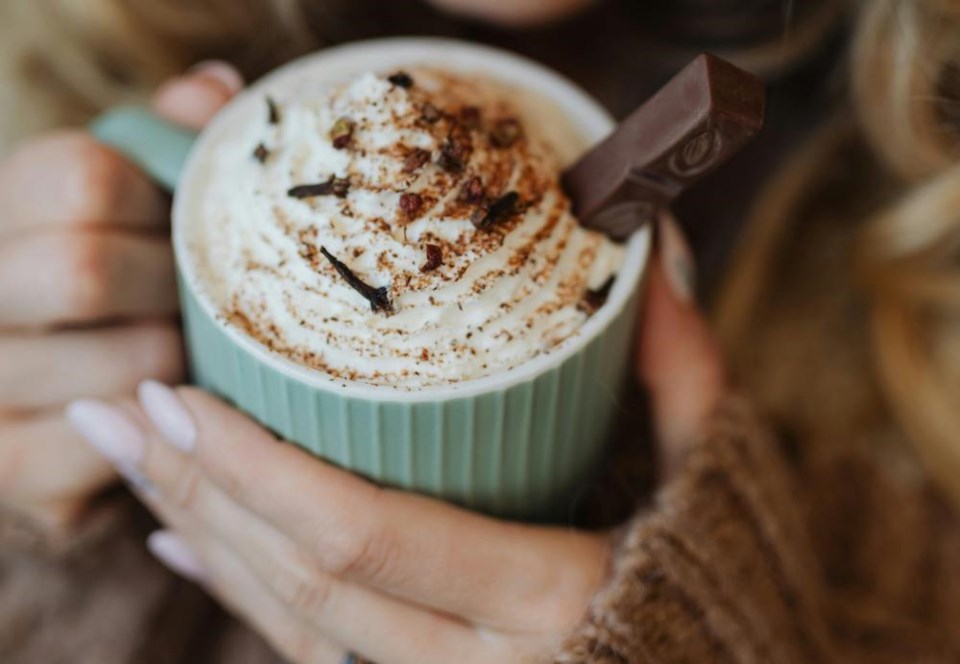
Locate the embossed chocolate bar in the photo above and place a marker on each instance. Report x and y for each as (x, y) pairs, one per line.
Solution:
(694, 124)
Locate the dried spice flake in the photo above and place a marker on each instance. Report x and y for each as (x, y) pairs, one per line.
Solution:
(342, 132)
(379, 298)
(452, 155)
(261, 154)
(472, 191)
(411, 204)
(401, 79)
(434, 258)
(505, 132)
(594, 299)
(273, 111)
(333, 187)
(501, 209)
(470, 117)
(415, 160)
(430, 113)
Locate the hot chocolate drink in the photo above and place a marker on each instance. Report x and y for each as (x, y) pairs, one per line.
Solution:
(405, 228)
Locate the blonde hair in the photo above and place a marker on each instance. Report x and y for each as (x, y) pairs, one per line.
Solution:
(905, 83)
(64, 60)
(907, 94)
(904, 239)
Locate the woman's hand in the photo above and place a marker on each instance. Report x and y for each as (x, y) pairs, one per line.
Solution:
(87, 297)
(513, 12)
(322, 562)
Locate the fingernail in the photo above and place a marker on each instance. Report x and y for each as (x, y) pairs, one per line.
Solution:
(168, 414)
(173, 552)
(677, 259)
(109, 430)
(137, 482)
(222, 72)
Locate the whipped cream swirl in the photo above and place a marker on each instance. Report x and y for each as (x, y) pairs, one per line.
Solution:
(427, 186)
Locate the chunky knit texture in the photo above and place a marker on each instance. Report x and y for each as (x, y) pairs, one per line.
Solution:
(741, 560)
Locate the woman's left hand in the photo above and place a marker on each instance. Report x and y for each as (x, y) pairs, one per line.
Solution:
(323, 563)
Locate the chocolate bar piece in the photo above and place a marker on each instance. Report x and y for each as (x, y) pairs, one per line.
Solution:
(694, 124)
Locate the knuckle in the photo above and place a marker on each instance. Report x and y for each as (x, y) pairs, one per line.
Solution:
(97, 178)
(87, 274)
(187, 489)
(370, 556)
(300, 586)
(89, 178)
(162, 353)
(296, 642)
(11, 457)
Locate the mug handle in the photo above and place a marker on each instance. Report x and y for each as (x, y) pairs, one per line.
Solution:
(157, 146)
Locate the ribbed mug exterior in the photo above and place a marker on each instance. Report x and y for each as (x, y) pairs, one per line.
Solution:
(521, 449)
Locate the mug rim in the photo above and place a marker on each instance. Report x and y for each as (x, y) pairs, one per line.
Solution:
(584, 112)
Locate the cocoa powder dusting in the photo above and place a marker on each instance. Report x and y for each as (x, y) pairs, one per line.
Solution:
(485, 171)
(430, 113)
(505, 132)
(470, 117)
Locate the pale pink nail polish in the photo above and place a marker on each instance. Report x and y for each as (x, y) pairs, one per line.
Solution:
(173, 552)
(168, 414)
(137, 482)
(677, 259)
(224, 73)
(109, 430)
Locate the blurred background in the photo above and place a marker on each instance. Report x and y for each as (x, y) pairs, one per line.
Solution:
(64, 60)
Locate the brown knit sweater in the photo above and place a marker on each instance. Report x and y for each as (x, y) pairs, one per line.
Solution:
(729, 564)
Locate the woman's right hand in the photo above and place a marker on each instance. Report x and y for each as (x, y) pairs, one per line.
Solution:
(87, 297)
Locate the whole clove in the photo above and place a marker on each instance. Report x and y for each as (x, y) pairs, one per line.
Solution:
(332, 187)
(379, 298)
(485, 218)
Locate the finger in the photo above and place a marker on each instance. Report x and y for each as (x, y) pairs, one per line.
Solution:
(68, 179)
(679, 359)
(290, 597)
(254, 562)
(48, 370)
(513, 12)
(71, 277)
(193, 99)
(410, 547)
(233, 585)
(47, 470)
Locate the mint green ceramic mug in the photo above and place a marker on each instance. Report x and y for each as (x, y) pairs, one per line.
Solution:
(518, 443)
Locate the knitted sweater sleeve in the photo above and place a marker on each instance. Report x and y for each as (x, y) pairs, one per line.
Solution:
(718, 569)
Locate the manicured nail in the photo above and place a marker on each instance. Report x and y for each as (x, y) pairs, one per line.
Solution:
(137, 482)
(109, 430)
(168, 414)
(173, 552)
(222, 72)
(677, 259)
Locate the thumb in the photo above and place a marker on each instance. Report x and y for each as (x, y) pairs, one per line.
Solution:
(193, 99)
(679, 360)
